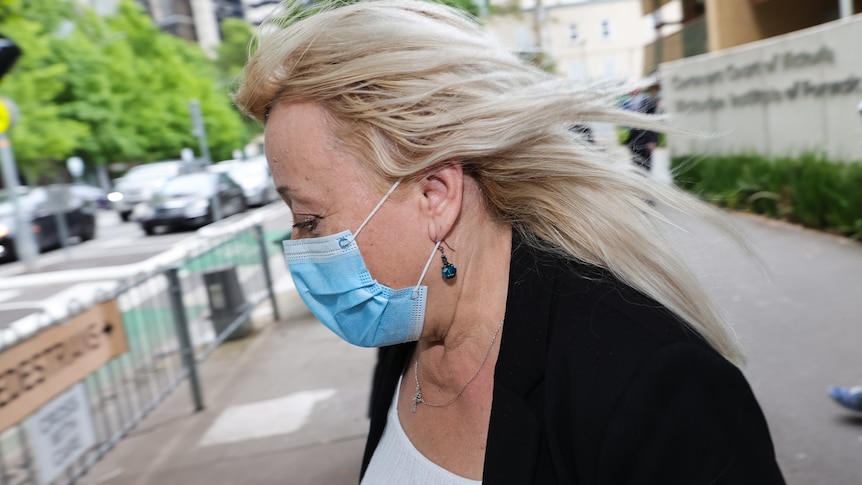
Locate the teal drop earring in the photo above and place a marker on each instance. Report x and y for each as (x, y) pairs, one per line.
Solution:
(449, 270)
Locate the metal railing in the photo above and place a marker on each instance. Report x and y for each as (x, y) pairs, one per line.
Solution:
(169, 330)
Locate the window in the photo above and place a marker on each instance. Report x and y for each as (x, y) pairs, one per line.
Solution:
(573, 34)
(523, 39)
(609, 66)
(577, 71)
(605, 29)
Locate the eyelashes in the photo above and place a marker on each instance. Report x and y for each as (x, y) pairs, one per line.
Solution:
(308, 224)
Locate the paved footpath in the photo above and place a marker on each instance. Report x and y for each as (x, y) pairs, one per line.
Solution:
(288, 405)
(800, 322)
(284, 406)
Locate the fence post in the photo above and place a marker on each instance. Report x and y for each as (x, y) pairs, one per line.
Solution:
(264, 259)
(182, 325)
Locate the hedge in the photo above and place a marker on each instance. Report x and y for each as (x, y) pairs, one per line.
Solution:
(809, 190)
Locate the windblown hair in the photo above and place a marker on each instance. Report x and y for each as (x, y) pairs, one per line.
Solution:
(413, 84)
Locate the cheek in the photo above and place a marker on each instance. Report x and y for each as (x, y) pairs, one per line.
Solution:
(396, 258)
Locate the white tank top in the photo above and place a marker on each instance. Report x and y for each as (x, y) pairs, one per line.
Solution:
(397, 462)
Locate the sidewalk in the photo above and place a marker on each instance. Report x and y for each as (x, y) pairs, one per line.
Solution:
(284, 406)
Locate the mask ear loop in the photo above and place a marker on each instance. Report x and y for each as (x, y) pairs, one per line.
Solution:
(376, 208)
(415, 294)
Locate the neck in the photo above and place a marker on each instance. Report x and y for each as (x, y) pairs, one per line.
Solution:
(467, 313)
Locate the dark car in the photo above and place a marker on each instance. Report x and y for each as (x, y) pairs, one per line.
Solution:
(93, 194)
(186, 201)
(42, 207)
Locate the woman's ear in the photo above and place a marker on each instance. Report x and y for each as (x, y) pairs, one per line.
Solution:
(442, 191)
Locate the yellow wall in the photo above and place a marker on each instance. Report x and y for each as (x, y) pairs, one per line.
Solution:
(735, 22)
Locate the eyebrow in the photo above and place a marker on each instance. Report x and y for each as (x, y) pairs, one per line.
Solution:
(291, 194)
(286, 192)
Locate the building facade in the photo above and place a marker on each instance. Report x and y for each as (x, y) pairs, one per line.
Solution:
(712, 25)
(256, 11)
(582, 39)
(196, 20)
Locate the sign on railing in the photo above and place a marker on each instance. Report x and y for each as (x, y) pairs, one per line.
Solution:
(35, 371)
(60, 433)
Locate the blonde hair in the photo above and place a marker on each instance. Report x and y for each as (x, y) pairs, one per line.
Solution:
(415, 84)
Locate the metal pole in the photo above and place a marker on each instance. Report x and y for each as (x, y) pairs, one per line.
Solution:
(200, 131)
(182, 324)
(58, 202)
(25, 244)
(264, 260)
(63, 231)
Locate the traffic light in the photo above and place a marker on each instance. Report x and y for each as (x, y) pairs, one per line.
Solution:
(9, 53)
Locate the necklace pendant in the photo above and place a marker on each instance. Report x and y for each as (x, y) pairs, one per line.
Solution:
(417, 398)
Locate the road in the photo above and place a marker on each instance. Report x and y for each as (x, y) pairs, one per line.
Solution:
(117, 243)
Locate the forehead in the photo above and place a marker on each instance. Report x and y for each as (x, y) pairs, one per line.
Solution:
(300, 131)
(305, 154)
(299, 138)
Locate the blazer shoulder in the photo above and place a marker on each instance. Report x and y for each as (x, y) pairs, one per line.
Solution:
(593, 300)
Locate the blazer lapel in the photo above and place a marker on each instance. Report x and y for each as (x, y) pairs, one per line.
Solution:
(515, 431)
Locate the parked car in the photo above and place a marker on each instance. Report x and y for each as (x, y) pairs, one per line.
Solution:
(40, 206)
(186, 201)
(92, 194)
(141, 182)
(254, 177)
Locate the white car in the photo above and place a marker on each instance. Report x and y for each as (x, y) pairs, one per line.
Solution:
(254, 178)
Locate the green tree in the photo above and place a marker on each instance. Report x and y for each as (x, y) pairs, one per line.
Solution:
(41, 135)
(232, 53)
(8, 8)
(466, 5)
(166, 73)
(109, 89)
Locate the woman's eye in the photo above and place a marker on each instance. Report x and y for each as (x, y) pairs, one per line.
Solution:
(307, 226)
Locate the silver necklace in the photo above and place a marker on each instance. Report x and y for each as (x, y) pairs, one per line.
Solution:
(417, 397)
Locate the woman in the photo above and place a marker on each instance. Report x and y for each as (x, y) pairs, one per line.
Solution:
(556, 339)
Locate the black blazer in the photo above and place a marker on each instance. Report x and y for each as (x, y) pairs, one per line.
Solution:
(597, 384)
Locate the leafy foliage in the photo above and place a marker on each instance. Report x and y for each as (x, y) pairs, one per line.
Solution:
(809, 190)
(108, 89)
(232, 53)
(7, 8)
(466, 5)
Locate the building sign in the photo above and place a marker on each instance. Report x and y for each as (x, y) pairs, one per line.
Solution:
(787, 95)
(777, 64)
(60, 433)
(37, 370)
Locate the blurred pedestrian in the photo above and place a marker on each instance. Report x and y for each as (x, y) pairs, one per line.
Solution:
(849, 397)
(642, 141)
(557, 339)
(633, 102)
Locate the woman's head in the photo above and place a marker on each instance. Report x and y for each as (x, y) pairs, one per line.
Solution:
(410, 86)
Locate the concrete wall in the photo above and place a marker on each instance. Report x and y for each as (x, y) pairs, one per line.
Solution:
(206, 25)
(780, 96)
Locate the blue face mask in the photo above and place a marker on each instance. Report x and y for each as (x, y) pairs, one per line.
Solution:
(334, 283)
